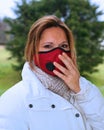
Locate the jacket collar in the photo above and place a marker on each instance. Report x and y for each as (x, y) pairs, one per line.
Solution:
(36, 88)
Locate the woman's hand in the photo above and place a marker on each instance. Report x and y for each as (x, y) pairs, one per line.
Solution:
(70, 75)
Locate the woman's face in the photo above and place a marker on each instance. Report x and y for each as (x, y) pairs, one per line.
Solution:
(52, 38)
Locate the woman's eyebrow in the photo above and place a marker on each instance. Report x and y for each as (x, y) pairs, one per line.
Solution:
(44, 43)
(53, 42)
(64, 42)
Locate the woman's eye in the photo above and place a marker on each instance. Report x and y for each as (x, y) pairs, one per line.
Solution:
(65, 46)
(47, 46)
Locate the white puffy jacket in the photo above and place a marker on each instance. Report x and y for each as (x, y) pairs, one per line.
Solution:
(30, 106)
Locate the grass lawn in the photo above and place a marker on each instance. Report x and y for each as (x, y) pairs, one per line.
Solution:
(8, 77)
(98, 78)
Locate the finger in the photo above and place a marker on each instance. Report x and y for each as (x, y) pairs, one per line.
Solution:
(61, 68)
(67, 58)
(60, 75)
(66, 61)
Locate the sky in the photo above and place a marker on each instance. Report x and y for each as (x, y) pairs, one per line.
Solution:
(6, 7)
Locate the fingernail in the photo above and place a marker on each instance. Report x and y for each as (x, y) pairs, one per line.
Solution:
(59, 55)
(54, 63)
(63, 53)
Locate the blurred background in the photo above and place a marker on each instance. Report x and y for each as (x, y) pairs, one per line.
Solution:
(84, 17)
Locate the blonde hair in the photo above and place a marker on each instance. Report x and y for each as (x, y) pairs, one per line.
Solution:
(35, 33)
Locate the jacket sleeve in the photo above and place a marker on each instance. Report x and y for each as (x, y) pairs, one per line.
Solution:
(92, 104)
(12, 114)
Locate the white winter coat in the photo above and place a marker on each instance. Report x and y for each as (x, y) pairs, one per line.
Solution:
(30, 106)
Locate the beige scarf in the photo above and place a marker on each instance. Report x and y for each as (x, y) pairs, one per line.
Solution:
(52, 83)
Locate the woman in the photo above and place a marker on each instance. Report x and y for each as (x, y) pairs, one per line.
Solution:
(52, 95)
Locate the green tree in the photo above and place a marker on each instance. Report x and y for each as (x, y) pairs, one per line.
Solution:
(79, 15)
(88, 33)
(26, 14)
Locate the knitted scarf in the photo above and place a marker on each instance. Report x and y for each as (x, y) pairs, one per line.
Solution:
(52, 83)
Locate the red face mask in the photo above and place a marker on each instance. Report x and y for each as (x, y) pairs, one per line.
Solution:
(47, 58)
